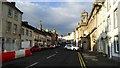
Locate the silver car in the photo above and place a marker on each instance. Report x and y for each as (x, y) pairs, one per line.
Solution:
(71, 47)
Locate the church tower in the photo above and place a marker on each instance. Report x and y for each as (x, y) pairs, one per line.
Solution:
(84, 17)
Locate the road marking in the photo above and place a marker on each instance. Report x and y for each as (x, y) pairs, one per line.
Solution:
(51, 56)
(56, 52)
(81, 61)
(32, 65)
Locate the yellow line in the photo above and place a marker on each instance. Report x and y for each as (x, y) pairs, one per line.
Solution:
(81, 60)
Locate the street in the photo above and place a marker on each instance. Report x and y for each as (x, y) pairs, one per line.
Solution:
(51, 57)
(62, 57)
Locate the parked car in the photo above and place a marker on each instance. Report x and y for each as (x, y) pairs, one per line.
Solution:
(58, 45)
(35, 48)
(45, 47)
(50, 46)
(71, 47)
(53, 46)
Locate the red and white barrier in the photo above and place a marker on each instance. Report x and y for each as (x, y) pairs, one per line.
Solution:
(19, 53)
(6, 56)
(27, 52)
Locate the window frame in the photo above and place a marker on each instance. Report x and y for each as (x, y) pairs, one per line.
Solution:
(114, 1)
(9, 26)
(30, 33)
(116, 44)
(16, 15)
(109, 23)
(108, 5)
(115, 18)
(15, 28)
(27, 32)
(22, 31)
(10, 12)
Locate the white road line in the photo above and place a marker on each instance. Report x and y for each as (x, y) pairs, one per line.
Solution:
(56, 52)
(51, 56)
(32, 65)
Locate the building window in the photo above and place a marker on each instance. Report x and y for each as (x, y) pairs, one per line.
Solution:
(16, 15)
(26, 32)
(26, 39)
(15, 28)
(109, 23)
(30, 33)
(114, 1)
(13, 41)
(8, 26)
(108, 4)
(8, 40)
(116, 44)
(115, 18)
(10, 12)
(22, 31)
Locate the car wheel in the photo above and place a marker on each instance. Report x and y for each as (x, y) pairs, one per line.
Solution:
(74, 49)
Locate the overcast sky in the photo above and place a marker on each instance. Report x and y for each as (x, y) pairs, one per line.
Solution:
(62, 16)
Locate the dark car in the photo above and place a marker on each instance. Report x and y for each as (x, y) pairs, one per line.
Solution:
(35, 48)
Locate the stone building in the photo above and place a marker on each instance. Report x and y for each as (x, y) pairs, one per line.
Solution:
(10, 24)
(27, 33)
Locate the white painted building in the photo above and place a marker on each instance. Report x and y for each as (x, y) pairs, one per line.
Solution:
(67, 37)
(109, 28)
(119, 26)
(112, 26)
(101, 29)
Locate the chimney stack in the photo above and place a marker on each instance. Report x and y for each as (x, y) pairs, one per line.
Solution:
(13, 3)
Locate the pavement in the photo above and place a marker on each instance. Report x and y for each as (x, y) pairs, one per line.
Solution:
(95, 59)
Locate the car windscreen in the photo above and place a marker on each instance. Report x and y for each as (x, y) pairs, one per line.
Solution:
(69, 45)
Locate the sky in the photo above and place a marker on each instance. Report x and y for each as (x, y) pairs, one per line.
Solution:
(61, 15)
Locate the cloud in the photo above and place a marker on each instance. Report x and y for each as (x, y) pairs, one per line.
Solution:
(62, 16)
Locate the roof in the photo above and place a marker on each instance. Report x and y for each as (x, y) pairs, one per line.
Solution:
(43, 32)
(25, 24)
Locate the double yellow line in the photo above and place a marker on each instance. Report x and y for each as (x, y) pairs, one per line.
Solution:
(82, 63)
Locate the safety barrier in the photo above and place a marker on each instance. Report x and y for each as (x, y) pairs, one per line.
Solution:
(19, 53)
(6, 56)
(27, 52)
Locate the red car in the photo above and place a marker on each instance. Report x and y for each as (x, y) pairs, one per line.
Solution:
(35, 48)
(50, 46)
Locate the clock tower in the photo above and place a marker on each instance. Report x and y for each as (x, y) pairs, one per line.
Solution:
(84, 17)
